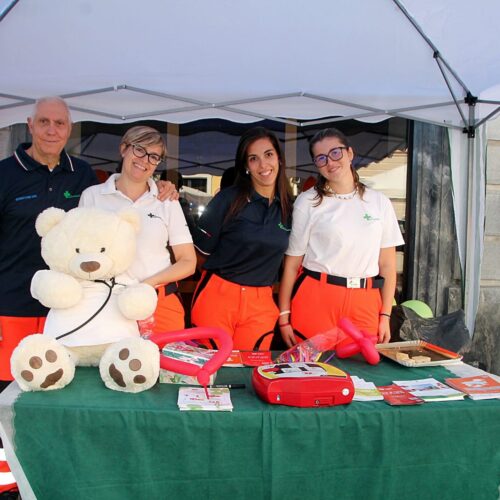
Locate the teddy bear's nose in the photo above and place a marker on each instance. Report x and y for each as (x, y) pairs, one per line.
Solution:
(90, 266)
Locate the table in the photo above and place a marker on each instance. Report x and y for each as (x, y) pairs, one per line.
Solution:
(86, 441)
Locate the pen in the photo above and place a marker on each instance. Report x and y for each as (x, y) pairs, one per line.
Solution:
(329, 357)
(229, 386)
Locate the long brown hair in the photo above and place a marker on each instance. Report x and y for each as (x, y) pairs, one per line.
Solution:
(244, 182)
(321, 182)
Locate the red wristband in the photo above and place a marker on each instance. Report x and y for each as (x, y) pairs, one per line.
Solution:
(284, 324)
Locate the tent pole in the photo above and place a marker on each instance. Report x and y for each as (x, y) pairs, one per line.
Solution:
(7, 9)
(486, 118)
(470, 306)
(429, 42)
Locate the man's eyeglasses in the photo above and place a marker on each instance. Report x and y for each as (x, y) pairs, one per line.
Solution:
(334, 154)
(141, 152)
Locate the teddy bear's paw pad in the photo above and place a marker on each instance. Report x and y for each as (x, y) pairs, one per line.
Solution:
(36, 363)
(41, 363)
(134, 365)
(131, 365)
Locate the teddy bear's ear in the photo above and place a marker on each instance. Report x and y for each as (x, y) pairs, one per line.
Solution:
(48, 219)
(132, 217)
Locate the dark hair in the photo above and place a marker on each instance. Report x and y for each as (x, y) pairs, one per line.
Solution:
(321, 181)
(228, 177)
(243, 181)
(174, 176)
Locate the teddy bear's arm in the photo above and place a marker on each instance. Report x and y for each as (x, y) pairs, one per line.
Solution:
(137, 301)
(56, 290)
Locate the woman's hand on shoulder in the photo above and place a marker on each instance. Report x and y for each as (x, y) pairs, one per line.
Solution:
(167, 191)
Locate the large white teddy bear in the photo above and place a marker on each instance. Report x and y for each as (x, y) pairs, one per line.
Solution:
(94, 306)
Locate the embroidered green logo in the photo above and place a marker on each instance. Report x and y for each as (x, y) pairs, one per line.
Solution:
(68, 195)
(282, 226)
(367, 216)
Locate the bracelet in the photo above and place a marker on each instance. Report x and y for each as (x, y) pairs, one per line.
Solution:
(284, 324)
(385, 314)
(282, 313)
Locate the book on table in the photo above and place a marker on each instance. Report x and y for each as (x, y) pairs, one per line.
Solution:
(430, 389)
(477, 387)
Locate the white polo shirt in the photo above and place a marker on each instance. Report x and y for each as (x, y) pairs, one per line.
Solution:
(343, 237)
(162, 223)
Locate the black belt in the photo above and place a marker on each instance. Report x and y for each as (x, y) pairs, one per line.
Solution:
(168, 288)
(376, 282)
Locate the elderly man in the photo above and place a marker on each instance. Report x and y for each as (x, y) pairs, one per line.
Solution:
(39, 175)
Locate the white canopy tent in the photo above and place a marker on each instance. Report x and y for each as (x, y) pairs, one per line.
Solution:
(299, 62)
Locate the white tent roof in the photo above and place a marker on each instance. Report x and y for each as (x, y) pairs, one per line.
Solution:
(183, 60)
(301, 62)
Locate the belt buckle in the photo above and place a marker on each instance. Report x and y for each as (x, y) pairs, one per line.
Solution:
(353, 282)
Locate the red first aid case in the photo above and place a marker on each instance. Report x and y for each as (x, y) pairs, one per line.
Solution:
(303, 384)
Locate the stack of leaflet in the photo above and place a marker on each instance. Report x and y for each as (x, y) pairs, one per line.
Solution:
(195, 399)
(478, 387)
(430, 390)
(365, 391)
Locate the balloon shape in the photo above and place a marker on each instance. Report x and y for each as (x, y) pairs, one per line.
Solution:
(421, 308)
(362, 342)
(202, 373)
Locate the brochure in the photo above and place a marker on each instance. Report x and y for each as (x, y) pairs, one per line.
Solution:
(234, 360)
(395, 395)
(256, 358)
(195, 399)
(430, 389)
(365, 391)
(478, 387)
(248, 358)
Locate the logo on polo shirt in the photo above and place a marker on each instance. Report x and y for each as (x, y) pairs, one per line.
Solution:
(27, 197)
(367, 216)
(68, 195)
(282, 226)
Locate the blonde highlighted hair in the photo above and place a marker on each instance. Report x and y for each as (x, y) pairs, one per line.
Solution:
(144, 136)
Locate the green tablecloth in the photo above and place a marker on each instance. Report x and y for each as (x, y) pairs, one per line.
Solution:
(87, 442)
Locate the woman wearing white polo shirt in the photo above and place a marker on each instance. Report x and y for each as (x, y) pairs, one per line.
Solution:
(341, 258)
(162, 222)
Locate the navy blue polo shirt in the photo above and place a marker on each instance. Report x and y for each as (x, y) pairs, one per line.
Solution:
(26, 189)
(247, 250)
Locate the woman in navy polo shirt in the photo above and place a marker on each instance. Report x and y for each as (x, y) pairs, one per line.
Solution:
(241, 239)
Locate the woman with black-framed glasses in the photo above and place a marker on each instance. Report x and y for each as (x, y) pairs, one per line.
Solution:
(341, 259)
(162, 223)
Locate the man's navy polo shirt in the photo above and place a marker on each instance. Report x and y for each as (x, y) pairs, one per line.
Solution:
(26, 189)
(247, 250)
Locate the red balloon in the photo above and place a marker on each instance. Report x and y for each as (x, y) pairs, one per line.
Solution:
(202, 373)
(362, 342)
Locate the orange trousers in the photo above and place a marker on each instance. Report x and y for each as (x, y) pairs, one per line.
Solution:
(13, 330)
(247, 313)
(317, 306)
(169, 313)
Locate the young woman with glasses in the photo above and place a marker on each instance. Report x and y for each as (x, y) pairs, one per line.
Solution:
(241, 238)
(162, 223)
(341, 259)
